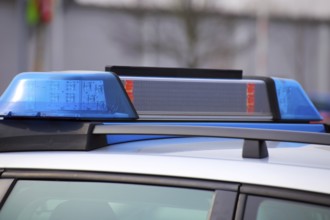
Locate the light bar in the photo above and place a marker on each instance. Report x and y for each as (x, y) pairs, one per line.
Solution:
(214, 95)
(71, 95)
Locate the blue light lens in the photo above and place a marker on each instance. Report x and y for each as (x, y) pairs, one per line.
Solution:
(79, 95)
(293, 102)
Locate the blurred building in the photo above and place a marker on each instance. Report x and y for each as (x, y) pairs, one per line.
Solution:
(284, 38)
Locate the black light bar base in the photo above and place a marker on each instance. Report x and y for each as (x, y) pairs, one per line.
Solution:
(46, 135)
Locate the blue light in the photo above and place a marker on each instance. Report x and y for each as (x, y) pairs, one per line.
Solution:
(293, 102)
(79, 95)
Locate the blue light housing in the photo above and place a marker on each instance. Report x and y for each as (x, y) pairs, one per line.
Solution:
(293, 102)
(68, 95)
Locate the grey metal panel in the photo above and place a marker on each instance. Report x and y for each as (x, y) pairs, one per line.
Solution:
(5, 185)
(240, 133)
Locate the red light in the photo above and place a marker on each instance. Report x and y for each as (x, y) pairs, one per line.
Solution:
(250, 97)
(129, 87)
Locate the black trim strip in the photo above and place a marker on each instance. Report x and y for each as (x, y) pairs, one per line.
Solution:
(288, 194)
(174, 72)
(115, 177)
(223, 205)
(240, 207)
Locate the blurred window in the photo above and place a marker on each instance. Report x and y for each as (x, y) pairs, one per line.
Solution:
(63, 200)
(259, 208)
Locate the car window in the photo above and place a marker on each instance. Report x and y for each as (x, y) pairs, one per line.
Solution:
(69, 200)
(259, 208)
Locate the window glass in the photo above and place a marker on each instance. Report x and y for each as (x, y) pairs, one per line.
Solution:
(60, 200)
(259, 208)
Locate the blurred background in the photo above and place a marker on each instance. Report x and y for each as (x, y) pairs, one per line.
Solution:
(282, 38)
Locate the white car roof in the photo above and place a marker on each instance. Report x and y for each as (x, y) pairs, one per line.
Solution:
(289, 165)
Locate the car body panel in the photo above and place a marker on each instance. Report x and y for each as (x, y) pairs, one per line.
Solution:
(300, 167)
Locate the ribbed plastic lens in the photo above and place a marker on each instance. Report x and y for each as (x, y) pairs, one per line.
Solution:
(96, 95)
(293, 102)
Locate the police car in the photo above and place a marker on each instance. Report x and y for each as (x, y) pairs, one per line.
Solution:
(161, 144)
